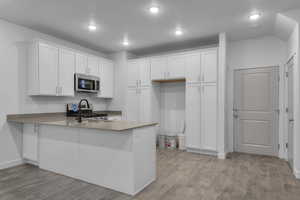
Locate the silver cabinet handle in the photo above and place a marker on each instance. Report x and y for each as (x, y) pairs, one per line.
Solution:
(140, 82)
(202, 78)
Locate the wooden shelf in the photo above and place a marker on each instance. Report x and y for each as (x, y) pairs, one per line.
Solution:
(169, 80)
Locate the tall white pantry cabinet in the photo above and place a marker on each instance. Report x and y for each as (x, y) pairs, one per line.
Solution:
(199, 68)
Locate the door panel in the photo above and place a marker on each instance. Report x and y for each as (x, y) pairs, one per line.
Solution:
(106, 79)
(144, 72)
(81, 63)
(66, 72)
(291, 113)
(192, 117)
(158, 68)
(48, 69)
(133, 73)
(255, 110)
(132, 108)
(145, 112)
(209, 116)
(176, 67)
(193, 68)
(209, 66)
(93, 66)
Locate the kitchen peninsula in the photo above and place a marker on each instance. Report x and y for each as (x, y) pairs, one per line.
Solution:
(116, 154)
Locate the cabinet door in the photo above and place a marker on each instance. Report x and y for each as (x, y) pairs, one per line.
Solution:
(93, 66)
(66, 72)
(48, 69)
(209, 116)
(193, 68)
(145, 109)
(59, 150)
(30, 142)
(209, 66)
(133, 73)
(81, 63)
(158, 68)
(132, 107)
(144, 72)
(176, 67)
(106, 79)
(193, 116)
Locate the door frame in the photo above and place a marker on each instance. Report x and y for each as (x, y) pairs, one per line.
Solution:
(286, 128)
(277, 127)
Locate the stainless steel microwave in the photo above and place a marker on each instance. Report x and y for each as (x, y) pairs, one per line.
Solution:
(86, 83)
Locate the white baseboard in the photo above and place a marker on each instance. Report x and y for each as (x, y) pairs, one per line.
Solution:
(222, 155)
(201, 151)
(11, 163)
(297, 173)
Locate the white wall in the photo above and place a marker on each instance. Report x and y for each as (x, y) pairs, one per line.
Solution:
(172, 108)
(257, 52)
(13, 87)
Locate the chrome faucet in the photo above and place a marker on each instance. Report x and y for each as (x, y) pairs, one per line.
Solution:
(79, 119)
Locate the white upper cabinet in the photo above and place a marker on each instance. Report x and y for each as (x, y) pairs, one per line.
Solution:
(67, 60)
(144, 72)
(51, 70)
(106, 74)
(209, 66)
(176, 67)
(138, 73)
(93, 66)
(193, 67)
(81, 63)
(158, 68)
(133, 73)
(48, 61)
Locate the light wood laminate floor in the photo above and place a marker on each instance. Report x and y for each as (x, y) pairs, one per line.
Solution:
(181, 176)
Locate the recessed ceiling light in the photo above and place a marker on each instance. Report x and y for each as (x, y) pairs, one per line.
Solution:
(154, 9)
(254, 16)
(92, 27)
(125, 42)
(178, 32)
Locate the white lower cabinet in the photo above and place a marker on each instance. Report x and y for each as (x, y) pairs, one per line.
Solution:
(201, 117)
(142, 104)
(30, 143)
(59, 150)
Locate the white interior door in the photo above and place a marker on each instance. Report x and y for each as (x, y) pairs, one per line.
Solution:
(256, 110)
(290, 113)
